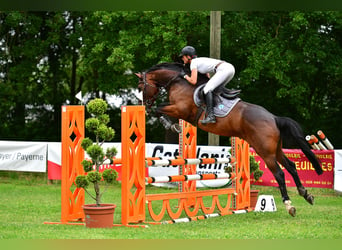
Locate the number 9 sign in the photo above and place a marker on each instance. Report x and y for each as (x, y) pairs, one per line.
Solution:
(265, 203)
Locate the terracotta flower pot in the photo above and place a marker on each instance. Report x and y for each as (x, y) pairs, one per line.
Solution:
(99, 217)
(253, 198)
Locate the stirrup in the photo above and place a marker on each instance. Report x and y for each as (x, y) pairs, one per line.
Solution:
(209, 119)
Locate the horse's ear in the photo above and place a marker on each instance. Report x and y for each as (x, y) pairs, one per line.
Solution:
(138, 75)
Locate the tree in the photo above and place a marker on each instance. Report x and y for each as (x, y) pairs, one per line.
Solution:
(21, 53)
(121, 42)
(289, 62)
(118, 43)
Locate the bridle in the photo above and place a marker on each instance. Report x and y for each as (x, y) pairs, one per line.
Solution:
(149, 101)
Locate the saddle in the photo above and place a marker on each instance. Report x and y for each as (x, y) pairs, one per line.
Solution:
(224, 100)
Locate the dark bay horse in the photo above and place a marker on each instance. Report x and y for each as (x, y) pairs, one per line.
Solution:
(264, 131)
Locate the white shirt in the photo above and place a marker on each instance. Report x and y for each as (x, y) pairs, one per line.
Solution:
(204, 64)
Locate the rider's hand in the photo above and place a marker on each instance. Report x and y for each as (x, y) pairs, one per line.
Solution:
(182, 74)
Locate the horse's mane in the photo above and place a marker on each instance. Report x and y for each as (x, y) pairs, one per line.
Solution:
(170, 66)
(178, 67)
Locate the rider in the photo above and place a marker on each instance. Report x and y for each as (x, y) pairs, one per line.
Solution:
(223, 73)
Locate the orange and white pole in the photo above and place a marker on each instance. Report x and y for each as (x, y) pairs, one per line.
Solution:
(310, 140)
(324, 139)
(319, 144)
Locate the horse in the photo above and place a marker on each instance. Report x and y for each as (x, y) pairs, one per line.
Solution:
(264, 131)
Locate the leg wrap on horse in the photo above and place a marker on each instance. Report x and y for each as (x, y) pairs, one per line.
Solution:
(165, 122)
(176, 128)
(290, 209)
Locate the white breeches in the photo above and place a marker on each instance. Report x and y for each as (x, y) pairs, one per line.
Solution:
(224, 73)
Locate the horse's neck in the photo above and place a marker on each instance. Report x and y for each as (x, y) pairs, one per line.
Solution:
(185, 87)
(164, 77)
(181, 93)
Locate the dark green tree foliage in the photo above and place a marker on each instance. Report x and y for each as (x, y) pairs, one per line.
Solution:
(288, 62)
(36, 72)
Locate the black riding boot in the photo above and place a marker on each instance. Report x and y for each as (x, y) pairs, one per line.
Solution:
(210, 117)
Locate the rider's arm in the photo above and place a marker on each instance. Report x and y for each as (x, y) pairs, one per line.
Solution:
(193, 78)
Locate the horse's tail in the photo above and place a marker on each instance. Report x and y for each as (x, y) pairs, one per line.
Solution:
(290, 129)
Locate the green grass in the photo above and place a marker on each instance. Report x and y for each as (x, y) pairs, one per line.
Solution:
(28, 202)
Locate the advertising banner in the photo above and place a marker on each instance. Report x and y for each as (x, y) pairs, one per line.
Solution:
(55, 155)
(172, 150)
(23, 156)
(304, 168)
(54, 161)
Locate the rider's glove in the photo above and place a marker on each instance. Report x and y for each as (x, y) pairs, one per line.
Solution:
(182, 74)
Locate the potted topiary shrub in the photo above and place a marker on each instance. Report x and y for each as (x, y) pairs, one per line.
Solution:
(255, 173)
(97, 125)
(254, 169)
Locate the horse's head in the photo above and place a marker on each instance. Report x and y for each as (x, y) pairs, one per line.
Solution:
(150, 89)
(158, 78)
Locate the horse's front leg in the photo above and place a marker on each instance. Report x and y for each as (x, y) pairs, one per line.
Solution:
(164, 119)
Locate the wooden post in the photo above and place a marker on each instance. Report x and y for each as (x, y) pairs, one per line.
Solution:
(215, 52)
(215, 34)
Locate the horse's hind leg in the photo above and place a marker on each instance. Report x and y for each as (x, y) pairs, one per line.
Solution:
(291, 168)
(280, 178)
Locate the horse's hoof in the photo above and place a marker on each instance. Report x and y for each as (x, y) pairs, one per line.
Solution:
(310, 198)
(176, 128)
(292, 211)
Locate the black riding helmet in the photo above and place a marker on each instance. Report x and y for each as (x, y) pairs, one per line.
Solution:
(188, 50)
